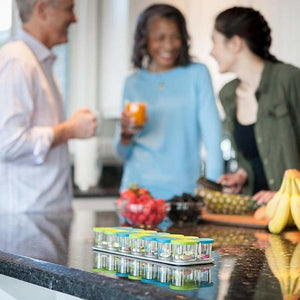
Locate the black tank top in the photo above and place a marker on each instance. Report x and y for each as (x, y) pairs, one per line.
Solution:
(246, 144)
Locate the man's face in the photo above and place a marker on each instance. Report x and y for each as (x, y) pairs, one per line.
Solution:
(59, 16)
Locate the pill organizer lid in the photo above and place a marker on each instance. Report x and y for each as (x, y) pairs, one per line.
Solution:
(110, 232)
(98, 270)
(176, 235)
(183, 242)
(99, 229)
(183, 288)
(163, 239)
(190, 237)
(136, 235)
(137, 232)
(149, 238)
(123, 234)
(109, 271)
(162, 233)
(206, 241)
(162, 283)
(206, 284)
(145, 280)
(150, 231)
(134, 277)
(122, 274)
(125, 228)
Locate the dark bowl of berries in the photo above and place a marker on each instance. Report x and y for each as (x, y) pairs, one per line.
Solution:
(137, 207)
(185, 208)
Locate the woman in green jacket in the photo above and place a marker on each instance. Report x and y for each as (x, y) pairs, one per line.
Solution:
(261, 105)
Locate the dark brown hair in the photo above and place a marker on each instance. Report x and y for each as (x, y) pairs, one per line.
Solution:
(249, 25)
(141, 33)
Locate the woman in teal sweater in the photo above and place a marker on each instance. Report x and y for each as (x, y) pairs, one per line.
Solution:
(164, 156)
(261, 105)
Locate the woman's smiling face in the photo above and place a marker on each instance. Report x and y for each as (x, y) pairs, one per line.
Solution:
(163, 44)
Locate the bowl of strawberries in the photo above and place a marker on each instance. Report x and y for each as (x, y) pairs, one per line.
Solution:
(137, 207)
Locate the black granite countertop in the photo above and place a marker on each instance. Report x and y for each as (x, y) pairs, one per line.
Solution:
(56, 252)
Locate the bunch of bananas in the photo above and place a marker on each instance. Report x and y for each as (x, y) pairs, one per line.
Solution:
(284, 263)
(284, 208)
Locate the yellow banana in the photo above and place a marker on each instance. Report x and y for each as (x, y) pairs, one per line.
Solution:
(295, 209)
(295, 173)
(290, 220)
(273, 203)
(294, 192)
(274, 267)
(295, 270)
(296, 289)
(297, 185)
(282, 214)
(295, 204)
(278, 260)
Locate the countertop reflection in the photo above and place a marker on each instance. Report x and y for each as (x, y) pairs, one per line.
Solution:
(249, 263)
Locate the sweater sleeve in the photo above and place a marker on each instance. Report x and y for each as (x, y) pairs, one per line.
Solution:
(122, 152)
(210, 126)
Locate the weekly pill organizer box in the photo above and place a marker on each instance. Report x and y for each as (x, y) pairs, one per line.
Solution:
(150, 245)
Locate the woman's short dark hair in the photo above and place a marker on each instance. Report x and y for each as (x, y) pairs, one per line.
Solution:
(141, 33)
(250, 25)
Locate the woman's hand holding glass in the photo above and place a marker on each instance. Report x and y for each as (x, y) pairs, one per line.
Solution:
(133, 118)
(233, 182)
(128, 128)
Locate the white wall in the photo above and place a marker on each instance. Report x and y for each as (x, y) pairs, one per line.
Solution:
(101, 55)
(282, 16)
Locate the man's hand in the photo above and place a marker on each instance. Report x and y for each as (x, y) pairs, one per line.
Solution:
(83, 123)
(233, 182)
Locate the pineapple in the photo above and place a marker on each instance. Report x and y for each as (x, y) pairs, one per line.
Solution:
(230, 204)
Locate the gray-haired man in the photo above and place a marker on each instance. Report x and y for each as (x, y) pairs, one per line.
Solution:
(34, 160)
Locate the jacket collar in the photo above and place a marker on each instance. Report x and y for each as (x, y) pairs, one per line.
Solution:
(265, 78)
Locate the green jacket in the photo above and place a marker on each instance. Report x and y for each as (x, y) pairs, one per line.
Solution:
(277, 130)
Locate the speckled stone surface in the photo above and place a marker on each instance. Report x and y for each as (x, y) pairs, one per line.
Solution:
(56, 252)
(75, 282)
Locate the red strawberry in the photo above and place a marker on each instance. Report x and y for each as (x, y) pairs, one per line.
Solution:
(141, 219)
(129, 195)
(143, 191)
(160, 201)
(144, 198)
(146, 210)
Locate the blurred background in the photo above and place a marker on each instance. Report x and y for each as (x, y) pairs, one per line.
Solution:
(92, 67)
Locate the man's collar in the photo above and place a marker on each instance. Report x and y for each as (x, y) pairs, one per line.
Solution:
(41, 52)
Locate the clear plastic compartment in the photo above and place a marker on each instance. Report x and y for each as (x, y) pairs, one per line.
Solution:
(205, 248)
(184, 250)
(124, 242)
(164, 248)
(150, 246)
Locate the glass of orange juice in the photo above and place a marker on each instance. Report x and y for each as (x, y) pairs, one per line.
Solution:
(137, 110)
